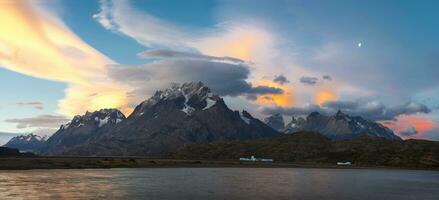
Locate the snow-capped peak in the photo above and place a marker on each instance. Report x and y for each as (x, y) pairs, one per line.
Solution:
(98, 118)
(29, 137)
(192, 96)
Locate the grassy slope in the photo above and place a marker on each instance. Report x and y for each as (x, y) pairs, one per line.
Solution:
(308, 147)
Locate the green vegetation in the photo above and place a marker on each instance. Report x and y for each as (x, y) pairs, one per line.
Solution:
(313, 148)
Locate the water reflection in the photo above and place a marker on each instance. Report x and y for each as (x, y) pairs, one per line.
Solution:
(219, 183)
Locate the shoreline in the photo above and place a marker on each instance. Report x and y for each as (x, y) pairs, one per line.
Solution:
(30, 163)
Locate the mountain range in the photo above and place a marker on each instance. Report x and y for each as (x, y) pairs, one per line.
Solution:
(340, 126)
(180, 115)
(27, 143)
(183, 115)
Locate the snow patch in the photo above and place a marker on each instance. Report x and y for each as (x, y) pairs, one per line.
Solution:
(209, 103)
(102, 122)
(245, 119)
(187, 109)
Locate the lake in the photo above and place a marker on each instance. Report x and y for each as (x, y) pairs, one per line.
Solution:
(220, 183)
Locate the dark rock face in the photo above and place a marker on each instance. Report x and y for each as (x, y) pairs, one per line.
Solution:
(183, 114)
(81, 129)
(26, 143)
(275, 121)
(339, 126)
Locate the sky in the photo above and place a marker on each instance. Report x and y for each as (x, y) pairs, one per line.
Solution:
(376, 59)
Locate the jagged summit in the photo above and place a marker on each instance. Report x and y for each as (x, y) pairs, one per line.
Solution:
(98, 118)
(188, 97)
(339, 126)
(81, 129)
(340, 115)
(275, 121)
(29, 137)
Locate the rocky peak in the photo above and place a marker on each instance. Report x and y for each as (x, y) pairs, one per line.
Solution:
(340, 126)
(28, 138)
(98, 118)
(188, 97)
(245, 116)
(313, 114)
(340, 115)
(275, 121)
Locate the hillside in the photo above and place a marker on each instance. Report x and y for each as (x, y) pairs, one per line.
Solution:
(309, 147)
(10, 152)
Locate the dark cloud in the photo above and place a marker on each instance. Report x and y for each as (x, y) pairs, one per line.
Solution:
(264, 90)
(327, 77)
(254, 92)
(309, 80)
(41, 121)
(226, 79)
(340, 105)
(35, 104)
(163, 53)
(281, 79)
(409, 131)
(293, 111)
(372, 110)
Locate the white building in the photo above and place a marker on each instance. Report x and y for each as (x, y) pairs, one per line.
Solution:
(344, 163)
(254, 159)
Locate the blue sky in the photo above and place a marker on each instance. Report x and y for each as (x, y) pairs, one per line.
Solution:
(97, 62)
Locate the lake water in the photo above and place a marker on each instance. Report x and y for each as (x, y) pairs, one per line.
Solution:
(220, 183)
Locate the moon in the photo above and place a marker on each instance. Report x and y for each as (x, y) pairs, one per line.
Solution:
(359, 44)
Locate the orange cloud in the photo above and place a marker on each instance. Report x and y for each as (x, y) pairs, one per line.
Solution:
(421, 124)
(286, 99)
(323, 96)
(239, 42)
(34, 43)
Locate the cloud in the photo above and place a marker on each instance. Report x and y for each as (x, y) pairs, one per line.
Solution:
(232, 43)
(254, 92)
(406, 125)
(41, 121)
(281, 79)
(119, 16)
(293, 111)
(341, 105)
(171, 54)
(35, 104)
(372, 110)
(226, 79)
(327, 77)
(409, 131)
(38, 44)
(309, 80)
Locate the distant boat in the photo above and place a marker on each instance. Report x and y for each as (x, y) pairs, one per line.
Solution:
(254, 159)
(344, 163)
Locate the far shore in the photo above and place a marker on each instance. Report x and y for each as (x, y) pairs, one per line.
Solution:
(57, 162)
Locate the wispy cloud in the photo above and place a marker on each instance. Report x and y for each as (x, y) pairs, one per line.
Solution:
(309, 80)
(35, 104)
(281, 79)
(34, 42)
(41, 121)
(373, 110)
(171, 54)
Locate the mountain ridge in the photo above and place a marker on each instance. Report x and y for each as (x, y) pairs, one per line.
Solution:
(339, 126)
(171, 118)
